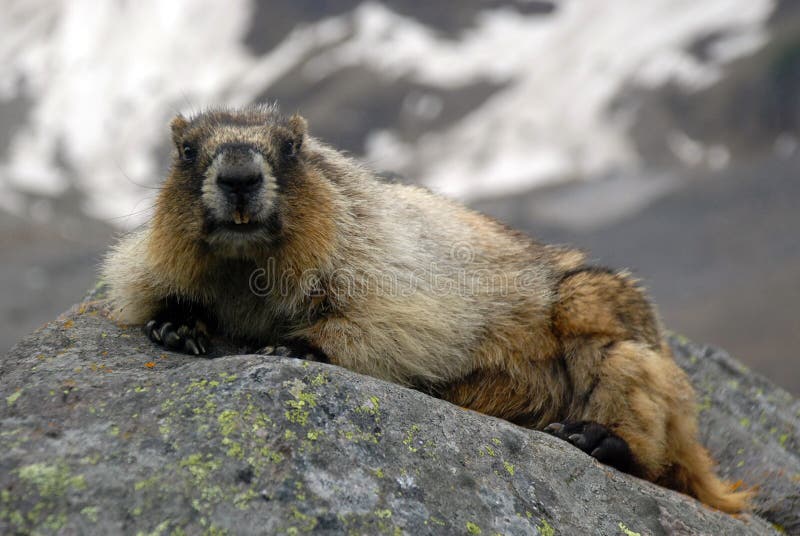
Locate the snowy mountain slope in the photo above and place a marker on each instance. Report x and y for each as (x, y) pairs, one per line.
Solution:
(503, 100)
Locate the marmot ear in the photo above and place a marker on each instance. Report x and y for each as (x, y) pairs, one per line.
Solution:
(178, 126)
(298, 127)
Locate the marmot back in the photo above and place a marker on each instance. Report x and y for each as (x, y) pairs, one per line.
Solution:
(264, 235)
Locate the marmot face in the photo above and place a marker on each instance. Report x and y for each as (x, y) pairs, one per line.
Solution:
(230, 167)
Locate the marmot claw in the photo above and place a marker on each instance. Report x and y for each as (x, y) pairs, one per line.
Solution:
(189, 337)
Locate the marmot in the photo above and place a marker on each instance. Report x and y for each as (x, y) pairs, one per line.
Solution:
(271, 236)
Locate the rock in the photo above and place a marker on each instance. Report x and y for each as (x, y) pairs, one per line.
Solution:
(101, 432)
(751, 427)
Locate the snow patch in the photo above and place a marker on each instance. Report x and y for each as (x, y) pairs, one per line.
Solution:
(551, 121)
(105, 77)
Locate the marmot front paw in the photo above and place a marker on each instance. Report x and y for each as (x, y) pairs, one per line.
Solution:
(188, 335)
(597, 441)
(295, 349)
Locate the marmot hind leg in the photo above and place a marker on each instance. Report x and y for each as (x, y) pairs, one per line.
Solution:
(642, 397)
(623, 377)
(620, 387)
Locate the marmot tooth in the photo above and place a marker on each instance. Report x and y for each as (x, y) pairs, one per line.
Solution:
(237, 217)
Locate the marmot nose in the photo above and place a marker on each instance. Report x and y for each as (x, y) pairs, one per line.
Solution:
(239, 183)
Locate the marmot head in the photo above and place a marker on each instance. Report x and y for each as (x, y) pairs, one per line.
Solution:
(229, 167)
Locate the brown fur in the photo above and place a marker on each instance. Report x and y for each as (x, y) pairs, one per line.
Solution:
(495, 322)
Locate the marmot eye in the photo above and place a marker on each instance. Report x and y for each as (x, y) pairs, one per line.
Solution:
(289, 149)
(188, 152)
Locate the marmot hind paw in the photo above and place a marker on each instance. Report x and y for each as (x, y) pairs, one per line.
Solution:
(189, 336)
(597, 441)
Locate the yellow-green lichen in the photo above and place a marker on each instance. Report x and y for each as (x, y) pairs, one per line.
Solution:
(319, 380)
(199, 466)
(270, 454)
(472, 528)
(14, 517)
(13, 397)
(52, 483)
(626, 531)
(208, 408)
(235, 449)
(228, 377)
(147, 482)
(51, 480)
(745, 422)
(90, 513)
(160, 529)
(509, 467)
(227, 421)
(261, 422)
(55, 522)
(242, 500)
(435, 521)
(308, 523)
(197, 385)
(299, 494)
(303, 401)
(410, 438)
(545, 529)
(374, 407)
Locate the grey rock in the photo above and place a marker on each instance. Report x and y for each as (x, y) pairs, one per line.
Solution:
(751, 427)
(103, 433)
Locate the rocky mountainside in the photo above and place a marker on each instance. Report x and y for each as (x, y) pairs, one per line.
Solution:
(102, 433)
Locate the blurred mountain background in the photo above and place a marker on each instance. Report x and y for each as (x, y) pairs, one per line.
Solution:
(661, 136)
